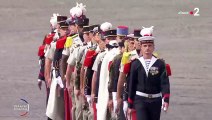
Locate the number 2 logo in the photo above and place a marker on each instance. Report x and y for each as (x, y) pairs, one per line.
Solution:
(196, 10)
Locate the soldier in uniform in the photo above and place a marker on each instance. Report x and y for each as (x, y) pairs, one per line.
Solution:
(103, 95)
(97, 64)
(90, 55)
(76, 49)
(129, 54)
(87, 39)
(56, 67)
(91, 46)
(78, 35)
(49, 55)
(149, 82)
(41, 77)
(71, 70)
(42, 49)
(50, 50)
(75, 38)
(122, 32)
(41, 53)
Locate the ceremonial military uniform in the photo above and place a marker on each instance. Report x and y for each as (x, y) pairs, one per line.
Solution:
(122, 32)
(72, 61)
(57, 74)
(148, 83)
(55, 107)
(50, 47)
(72, 47)
(97, 63)
(96, 67)
(76, 52)
(42, 50)
(89, 58)
(103, 95)
(128, 56)
(41, 77)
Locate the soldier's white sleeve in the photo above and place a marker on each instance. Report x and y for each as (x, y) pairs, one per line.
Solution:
(80, 53)
(66, 51)
(72, 57)
(47, 52)
(46, 48)
(99, 57)
(95, 64)
(83, 56)
(50, 51)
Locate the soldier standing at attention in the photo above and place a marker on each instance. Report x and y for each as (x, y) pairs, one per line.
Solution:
(122, 32)
(51, 110)
(149, 82)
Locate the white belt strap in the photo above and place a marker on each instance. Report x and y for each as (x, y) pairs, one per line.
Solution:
(148, 95)
(58, 79)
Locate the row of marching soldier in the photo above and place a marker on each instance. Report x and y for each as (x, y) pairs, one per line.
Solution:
(96, 72)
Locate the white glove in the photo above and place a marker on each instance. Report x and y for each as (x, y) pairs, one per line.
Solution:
(60, 82)
(163, 107)
(88, 97)
(125, 106)
(114, 102)
(39, 62)
(96, 106)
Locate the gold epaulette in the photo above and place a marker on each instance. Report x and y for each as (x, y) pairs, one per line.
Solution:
(125, 58)
(69, 42)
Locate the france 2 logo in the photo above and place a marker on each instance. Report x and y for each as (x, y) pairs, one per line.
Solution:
(194, 12)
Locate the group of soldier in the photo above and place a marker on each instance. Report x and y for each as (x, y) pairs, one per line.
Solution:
(95, 72)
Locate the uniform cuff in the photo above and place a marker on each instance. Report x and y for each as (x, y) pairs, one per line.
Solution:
(166, 97)
(130, 103)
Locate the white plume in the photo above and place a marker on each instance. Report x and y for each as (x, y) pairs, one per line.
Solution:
(53, 20)
(78, 10)
(71, 11)
(106, 26)
(82, 7)
(147, 31)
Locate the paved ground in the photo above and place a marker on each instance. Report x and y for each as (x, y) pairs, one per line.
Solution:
(183, 40)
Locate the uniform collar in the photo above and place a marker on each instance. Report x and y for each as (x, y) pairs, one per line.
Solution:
(153, 60)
